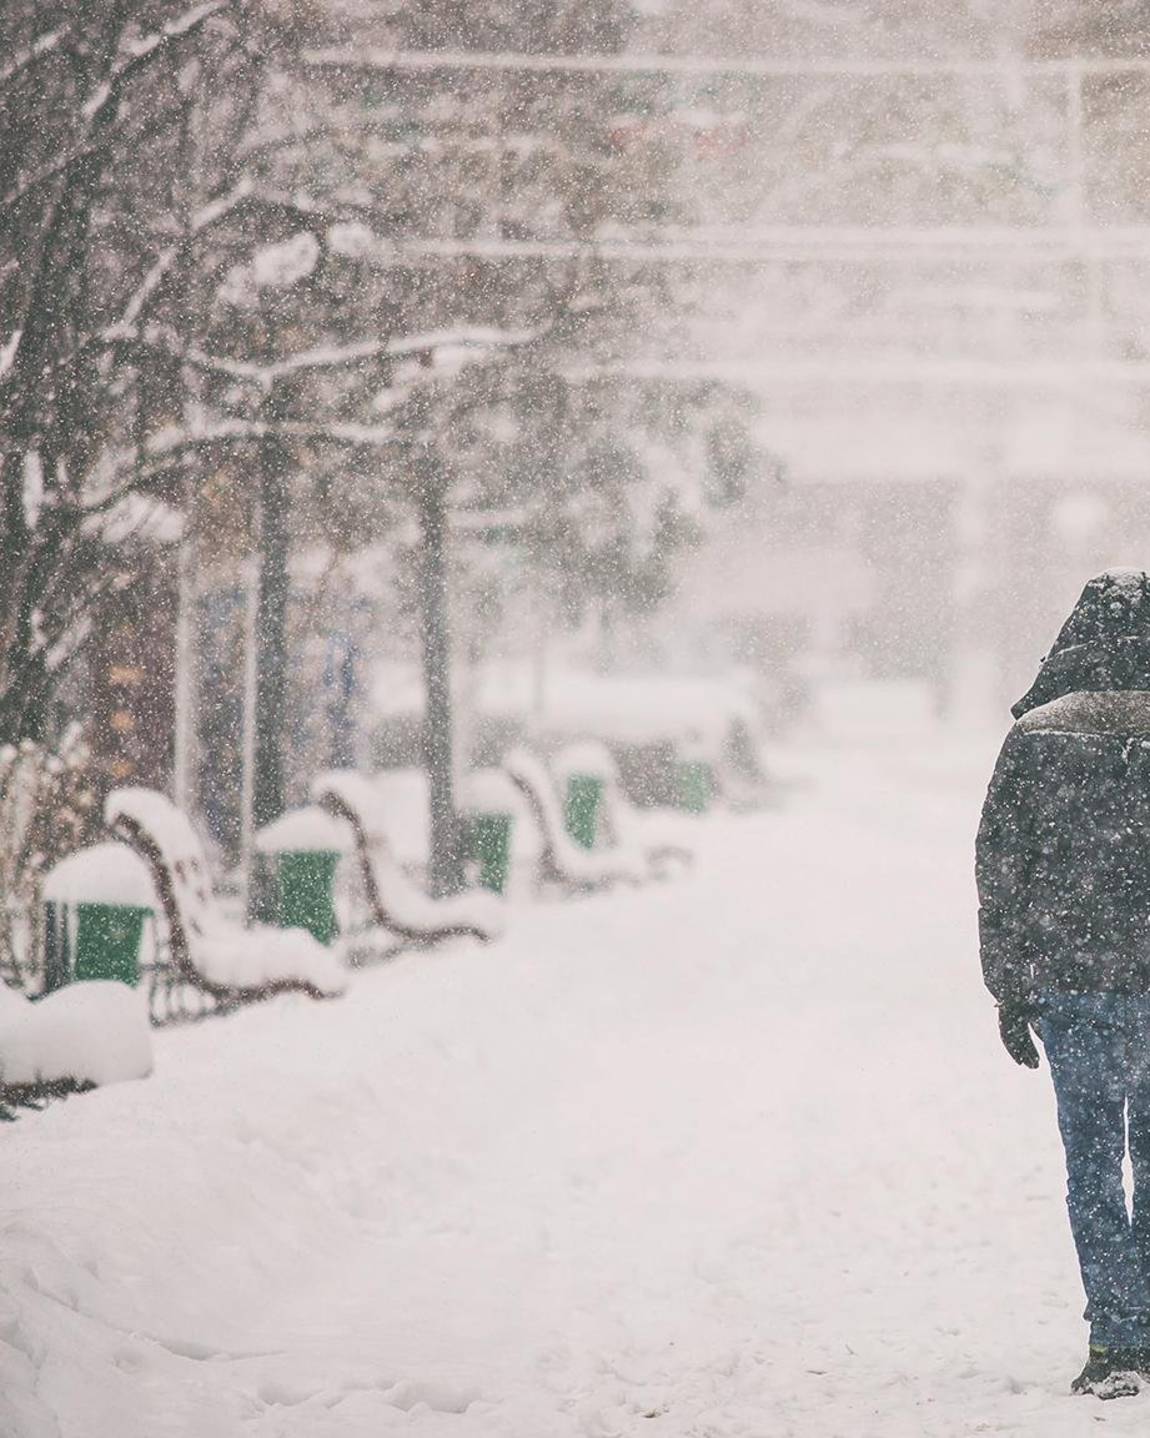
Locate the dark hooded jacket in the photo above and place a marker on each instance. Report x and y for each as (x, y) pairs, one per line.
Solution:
(1063, 853)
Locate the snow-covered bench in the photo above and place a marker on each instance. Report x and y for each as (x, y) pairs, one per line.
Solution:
(562, 860)
(397, 905)
(208, 951)
(87, 1034)
(489, 791)
(650, 841)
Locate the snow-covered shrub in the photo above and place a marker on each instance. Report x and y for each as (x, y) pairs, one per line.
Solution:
(92, 1032)
(48, 808)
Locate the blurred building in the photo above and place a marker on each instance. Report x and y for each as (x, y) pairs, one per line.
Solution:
(920, 540)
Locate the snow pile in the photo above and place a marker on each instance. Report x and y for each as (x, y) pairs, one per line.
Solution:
(102, 874)
(398, 904)
(223, 956)
(309, 829)
(169, 828)
(261, 958)
(92, 1032)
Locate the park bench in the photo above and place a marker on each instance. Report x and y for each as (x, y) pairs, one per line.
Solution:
(654, 843)
(562, 860)
(207, 950)
(398, 907)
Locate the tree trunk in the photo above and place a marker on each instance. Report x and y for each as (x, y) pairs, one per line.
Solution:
(271, 637)
(446, 869)
(271, 657)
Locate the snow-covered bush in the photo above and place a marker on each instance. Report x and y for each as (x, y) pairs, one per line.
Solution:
(94, 1032)
(48, 808)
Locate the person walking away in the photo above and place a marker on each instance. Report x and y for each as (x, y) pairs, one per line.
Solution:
(1063, 871)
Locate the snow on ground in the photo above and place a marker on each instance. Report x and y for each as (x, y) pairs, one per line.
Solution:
(737, 1157)
(95, 1031)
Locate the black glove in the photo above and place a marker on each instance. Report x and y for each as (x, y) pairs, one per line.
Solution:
(1014, 1016)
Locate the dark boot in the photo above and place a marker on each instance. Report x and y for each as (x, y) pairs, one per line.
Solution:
(1112, 1372)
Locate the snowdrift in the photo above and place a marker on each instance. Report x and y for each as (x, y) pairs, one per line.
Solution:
(92, 1032)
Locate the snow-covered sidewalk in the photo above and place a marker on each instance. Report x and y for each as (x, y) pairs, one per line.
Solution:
(737, 1155)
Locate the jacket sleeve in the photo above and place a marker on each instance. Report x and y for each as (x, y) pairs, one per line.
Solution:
(1002, 863)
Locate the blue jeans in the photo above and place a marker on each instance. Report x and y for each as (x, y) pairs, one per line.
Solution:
(1098, 1048)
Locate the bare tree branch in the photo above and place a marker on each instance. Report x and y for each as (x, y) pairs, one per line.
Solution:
(163, 340)
(38, 48)
(142, 51)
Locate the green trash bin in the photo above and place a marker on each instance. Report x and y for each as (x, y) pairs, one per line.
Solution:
(294, 880)
(583, 802)
(95, 905)
(108, 940)
(487, 843)
(304, 892)
(695, 785)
